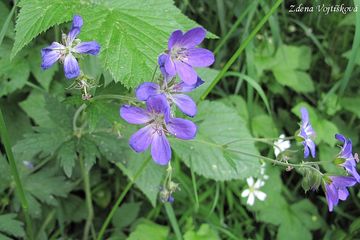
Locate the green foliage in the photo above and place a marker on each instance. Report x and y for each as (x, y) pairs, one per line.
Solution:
(204, 233)
(131, 34)
(9, 226)
(220, 128)
(146, 229)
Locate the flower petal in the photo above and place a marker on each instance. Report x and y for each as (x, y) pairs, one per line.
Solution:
(183, 87)
(169, 66)
(251, 199)
(160, 148)
(192, 38)
(343, 194)
(331, 196)
(75, 29)
(310, 143)
(146, 90)
(185, 104)
(92, 48)
(161, 61)
(199, 57)
(134, 115)
(343, 181)
(186, 73)
(250, 181)
(51, 54)
(260, 195)
(71, 67)
(304, 116)
(159, 104)
(182, 128)
(340, 137)
(245, 193)
(141, 140)
(174, 38)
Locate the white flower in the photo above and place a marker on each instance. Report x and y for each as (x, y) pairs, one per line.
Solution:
(262, 173)
(253, 191)
(281, 145)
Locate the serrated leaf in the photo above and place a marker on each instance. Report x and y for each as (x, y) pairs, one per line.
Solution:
(9, 225)
(67, 156)
(219, 124)
(131, 33)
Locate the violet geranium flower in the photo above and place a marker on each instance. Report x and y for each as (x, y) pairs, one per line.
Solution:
(346, 154)
(158, 123)
(172, 90)
(65, 52)
(307, 133)
(336, 188)
(183, 55)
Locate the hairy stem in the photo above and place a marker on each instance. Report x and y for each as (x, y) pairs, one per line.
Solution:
(14, 172)
(119, 200)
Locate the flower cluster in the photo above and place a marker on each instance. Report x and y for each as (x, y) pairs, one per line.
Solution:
(336, 186)
(158, 116)
(69, 50)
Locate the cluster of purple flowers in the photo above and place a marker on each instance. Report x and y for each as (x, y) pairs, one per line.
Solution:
(67, 52)
(335, 186)
(179, 59)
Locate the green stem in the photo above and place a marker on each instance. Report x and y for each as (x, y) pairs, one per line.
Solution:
(170, 212)
(119, 200)
(115, 96)
(240, 49)
(89, 205)
(14, 171)
(76, 116)
(278, 162)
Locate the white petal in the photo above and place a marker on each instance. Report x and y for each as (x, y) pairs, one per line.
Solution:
(250, 181)
(258, 184)
(260, 195)
(251, 199)
(245, 193)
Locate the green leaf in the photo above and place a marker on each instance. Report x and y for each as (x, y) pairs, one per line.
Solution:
(9, 225)
(149, 230)
(67, 156)
(208, 76)
(264, 126)
(219, 124)
(351, 104)
(297, 80)
(126, 214)
(131, 33)
(205, 232)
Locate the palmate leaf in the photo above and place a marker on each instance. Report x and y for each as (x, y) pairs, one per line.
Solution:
(131, 33)
(10, 226)
(219, 124)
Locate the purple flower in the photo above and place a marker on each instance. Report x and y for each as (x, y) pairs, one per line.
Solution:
(346, 154)
(336, 188)
(183, 55)
(65, 52)
(172, 90)
(158, 123)
(307, 133)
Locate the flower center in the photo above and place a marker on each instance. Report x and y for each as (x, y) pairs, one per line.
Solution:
(178, 54)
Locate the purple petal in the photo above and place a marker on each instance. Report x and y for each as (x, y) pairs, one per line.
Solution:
(351, 169)
(182, 128)
(304, 116)
(51, 54)
(193, 37)
(159, 104)
(141, 140)
(185, 104)
(75, 29)
(134, 115)
(186, 73)
(183, 87)
(146, 90)
(200, 57)
(340, 137)
(92, 48)
(343, 194)
(160, 148)
(71, 67)
(174, 38)
(310, 143)
(169, 66)
(343, 181)
(306, 150)
(331, 196)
